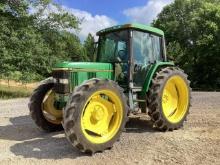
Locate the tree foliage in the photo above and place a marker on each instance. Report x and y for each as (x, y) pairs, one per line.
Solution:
(31, 43)
(192, 29)
(89, 45)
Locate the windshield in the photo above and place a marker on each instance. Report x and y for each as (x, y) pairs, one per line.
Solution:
(113, 47)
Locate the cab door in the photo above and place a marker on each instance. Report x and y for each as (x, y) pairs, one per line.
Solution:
(147, 49)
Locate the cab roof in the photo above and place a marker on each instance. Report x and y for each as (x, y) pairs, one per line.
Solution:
(136, 26)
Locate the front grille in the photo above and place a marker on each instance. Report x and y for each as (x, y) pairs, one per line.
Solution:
(59, 85)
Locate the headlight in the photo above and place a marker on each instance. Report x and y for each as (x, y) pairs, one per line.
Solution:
(63, 81)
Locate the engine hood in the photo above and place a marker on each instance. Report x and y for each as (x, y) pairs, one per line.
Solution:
(78, 72)
(84, 66)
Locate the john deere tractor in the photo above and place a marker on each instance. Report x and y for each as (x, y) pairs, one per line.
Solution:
(130, 73)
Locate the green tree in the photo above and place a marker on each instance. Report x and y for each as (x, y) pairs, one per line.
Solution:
(192, 29)
(31, 43)
(89, 45)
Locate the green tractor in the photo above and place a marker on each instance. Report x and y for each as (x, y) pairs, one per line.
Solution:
(130, 74)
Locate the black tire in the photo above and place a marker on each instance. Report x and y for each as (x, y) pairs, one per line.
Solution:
(35, 108)
(74, 109)
(154, 98)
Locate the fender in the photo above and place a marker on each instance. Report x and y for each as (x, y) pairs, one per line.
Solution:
(153, 68)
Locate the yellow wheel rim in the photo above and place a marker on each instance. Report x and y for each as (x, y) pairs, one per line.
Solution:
(175, 99)
(51, 114)
(102, 116)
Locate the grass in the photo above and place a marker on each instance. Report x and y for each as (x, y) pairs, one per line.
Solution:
(14, 92)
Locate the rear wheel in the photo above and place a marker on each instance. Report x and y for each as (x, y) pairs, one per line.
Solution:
(169, 98)
(95, 115)
(42, 108)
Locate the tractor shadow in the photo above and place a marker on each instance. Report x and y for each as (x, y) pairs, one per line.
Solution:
(20, 129)
(139, 125)
(31, 142)
(51, 147)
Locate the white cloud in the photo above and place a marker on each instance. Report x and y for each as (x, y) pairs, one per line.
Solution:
(146, 14)
(90, 24)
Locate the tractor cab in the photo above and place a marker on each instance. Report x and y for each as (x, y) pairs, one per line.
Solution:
(132, 49)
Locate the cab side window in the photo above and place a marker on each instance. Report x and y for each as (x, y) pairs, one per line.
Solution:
(146, 47)
(113, 46)
(156, 41)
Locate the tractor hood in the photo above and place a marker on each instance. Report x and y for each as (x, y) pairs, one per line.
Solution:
(78, 72)
(84, 66)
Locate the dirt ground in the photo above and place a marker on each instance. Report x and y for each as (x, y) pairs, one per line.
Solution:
(21, 142)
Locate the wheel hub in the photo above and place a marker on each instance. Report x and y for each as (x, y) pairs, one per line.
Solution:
(98, 113)
(50, 113)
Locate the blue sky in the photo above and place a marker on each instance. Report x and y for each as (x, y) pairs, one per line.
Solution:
(99, 14)
(111, 8)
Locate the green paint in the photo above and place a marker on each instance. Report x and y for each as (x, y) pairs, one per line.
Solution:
(81, 71)
(133, 26)
(151, 73)
(77, 78)
(83, 65)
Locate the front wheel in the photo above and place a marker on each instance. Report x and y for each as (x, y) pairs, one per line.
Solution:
(42, 109)
(95, 115)
(169, 98)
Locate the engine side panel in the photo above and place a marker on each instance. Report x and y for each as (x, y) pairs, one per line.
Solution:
(67, 75)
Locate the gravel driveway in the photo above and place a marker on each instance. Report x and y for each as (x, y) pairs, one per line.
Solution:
(21, 142)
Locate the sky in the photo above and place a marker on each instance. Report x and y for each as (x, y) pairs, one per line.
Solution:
(99, 14)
